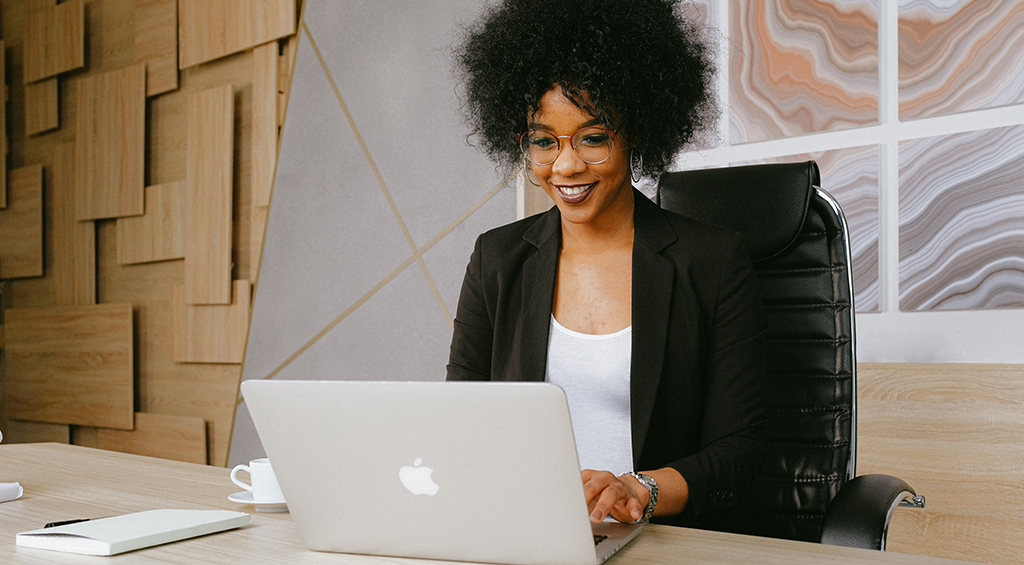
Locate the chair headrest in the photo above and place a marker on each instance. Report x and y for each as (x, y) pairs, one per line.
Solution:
(766, 203)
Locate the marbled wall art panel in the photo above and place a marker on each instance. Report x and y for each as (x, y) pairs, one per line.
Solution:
(802, 66)
(851, 177)
(959, 55)
(698, 11)
(962, 221)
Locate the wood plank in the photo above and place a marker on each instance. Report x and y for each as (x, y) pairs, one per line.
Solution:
(4, 144)
(953, 433)
(71, 365)
(23, 431)
(42, 106)
(55, 41)
(21, 225)
(209, 29)
(85, 436)
(110, 144)
(208, 176)
(159, 234)
(257, 234)
(180, 438)
(74, 242)
(156, 43)
(210, 333)
(264, 122)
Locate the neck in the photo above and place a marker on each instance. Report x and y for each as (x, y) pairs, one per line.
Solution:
(611, 230)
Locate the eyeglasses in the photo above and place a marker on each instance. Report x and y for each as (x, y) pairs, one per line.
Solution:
(593, 145)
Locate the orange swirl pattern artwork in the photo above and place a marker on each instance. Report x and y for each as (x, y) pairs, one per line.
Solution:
(959, 55)
(802, 66)
(961, 218)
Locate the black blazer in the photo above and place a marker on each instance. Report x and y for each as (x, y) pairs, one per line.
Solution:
(697, 359)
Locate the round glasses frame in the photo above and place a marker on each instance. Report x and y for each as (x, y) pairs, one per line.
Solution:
(573, 142)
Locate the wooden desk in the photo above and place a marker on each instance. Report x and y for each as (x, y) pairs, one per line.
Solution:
(63, 482)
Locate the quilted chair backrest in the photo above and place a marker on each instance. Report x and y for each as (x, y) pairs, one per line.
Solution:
(798, 239)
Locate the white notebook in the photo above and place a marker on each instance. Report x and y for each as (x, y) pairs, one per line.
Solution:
(110, 536)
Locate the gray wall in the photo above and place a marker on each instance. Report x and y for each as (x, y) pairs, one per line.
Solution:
(377, 201)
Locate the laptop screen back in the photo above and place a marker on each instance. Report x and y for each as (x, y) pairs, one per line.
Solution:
(461, 471)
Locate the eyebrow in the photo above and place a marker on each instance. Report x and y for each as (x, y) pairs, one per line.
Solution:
(586, 124)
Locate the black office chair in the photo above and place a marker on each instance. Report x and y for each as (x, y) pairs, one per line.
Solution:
(799, 241)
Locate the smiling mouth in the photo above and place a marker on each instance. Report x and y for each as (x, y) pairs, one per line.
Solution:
(575, 194)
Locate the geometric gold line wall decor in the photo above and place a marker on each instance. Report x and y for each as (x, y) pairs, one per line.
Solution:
(71, 365)
(208, 179)
(337, 286)
(110, 144)
(21, 225)
(55, 41)
(209, 29)
(156, 43)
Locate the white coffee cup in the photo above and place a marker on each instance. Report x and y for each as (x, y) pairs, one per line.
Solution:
(264, 487)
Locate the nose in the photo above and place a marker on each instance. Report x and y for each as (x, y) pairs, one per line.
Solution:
(567, 163)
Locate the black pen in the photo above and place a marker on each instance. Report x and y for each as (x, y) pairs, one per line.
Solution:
(65, 523)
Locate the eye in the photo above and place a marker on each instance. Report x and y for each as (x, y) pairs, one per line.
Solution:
(593, 138)
(541, 141)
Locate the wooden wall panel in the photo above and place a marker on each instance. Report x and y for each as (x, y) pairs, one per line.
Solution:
(156, 43)
(42, 106)
(264, 122)
(206, 391)
(55, 41)
(21, 431)
(159, 234)
(74, 242)
(209, 29)
(181, 438)
(954, 433)
(4, 145)
(210, 333)
(110, 144)
(208, 176)
(71, 365)
(21, 225)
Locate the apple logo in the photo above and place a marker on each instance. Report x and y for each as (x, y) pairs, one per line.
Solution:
(417, 479)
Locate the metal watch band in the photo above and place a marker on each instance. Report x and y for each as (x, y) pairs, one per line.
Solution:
(652, 488)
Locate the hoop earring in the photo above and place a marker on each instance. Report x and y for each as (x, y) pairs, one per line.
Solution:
(528, 173)
(636, 165)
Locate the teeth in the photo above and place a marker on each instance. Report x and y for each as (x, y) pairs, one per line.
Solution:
(575, 190)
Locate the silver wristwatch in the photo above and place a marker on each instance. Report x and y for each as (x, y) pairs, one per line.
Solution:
(652, 488)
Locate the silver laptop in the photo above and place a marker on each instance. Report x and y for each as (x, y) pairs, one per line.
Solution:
(459, 471)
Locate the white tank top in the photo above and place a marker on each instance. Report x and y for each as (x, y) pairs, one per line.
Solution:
(593, 370)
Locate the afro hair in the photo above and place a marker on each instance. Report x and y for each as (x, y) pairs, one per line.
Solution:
(635, 63)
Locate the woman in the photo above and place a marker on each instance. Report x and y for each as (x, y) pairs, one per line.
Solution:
(651, 322)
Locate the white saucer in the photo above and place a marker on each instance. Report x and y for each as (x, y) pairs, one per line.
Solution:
(245, 497)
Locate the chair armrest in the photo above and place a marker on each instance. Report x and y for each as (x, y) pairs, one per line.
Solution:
(859, 514)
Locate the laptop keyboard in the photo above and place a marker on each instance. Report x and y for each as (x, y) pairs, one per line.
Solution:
(599, 538)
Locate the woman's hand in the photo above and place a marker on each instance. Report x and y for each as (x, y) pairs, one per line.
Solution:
(623, 498)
